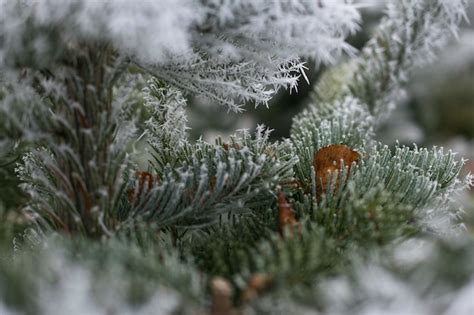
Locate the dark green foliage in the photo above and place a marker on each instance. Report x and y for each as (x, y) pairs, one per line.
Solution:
(220, 250)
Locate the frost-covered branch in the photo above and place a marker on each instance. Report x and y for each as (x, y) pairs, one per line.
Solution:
(166, 129)
(195, 184)
(76, 178)
(349, 104)
(95, 278)
(229, 51)
(78, 79)
(409, 36)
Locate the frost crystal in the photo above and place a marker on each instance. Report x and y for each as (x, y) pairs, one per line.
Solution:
(229, 51)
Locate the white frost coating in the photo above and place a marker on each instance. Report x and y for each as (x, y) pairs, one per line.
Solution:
(463, 303)
(5, 310)
(388, 295)
(309, 28)
(149, 30)
(168, 125)
(227, 50)
(155, 30)
(412, 286)
(410, 36)
(412, 252)
(163, 302)
(73, 293)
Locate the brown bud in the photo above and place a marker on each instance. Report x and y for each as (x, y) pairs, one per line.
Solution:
(328, 160)
(144, 178)
(286, 214)
(212, 183)
(258, 283)
(222, 293)
(227, 146)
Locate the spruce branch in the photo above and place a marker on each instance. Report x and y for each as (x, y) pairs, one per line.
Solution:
(85, 276)
(76, 179)
(364, 87)
(228, 51)
(166, 130)
(198, 183)
(262, 226)
(409, 36)
(344, 122)
(414, 277)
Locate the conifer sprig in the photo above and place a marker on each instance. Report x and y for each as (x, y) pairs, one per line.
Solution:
(265, 222)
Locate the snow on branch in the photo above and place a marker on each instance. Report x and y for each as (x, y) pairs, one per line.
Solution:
(167, 127)
(197, 183)
(409, 36)
(283, 28)
(230, 51)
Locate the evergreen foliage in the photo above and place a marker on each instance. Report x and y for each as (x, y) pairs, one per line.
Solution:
(201, 230)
